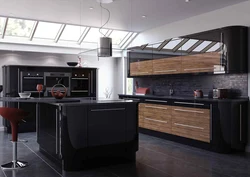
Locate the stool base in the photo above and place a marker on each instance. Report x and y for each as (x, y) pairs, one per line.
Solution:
(14, 165)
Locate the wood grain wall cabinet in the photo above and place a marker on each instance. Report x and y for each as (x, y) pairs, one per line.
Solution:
(205, 62)
(191, 123)
(141, 68)
(167, 66)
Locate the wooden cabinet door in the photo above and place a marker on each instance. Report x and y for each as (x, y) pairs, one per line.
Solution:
(141, 115)
(191, 123)
(141, 68)
(156, 117)
(167, 66)
(205, 62)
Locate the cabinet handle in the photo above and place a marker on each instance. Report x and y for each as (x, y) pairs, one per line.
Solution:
(57, 131)
(190, 126)
(194, 69)
(112, 109)
(161, 121)
(159, 101)
(200, 104)
(184, 110)
(240, 122)
(156, 107)
(211, 122)
(173, 70)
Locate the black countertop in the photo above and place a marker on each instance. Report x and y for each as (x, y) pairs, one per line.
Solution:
(183, 98)
(64, 101)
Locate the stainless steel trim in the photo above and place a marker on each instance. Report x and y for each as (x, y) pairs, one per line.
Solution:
(111, 109)
(141, 72)
(211, 122)
(185, 110)
(73, 78)
(18, 80)
(156, 107)
(173, 70)
(240, 122)
(194, 69)
(33, 77)
(200, 104)
(89, 86)
(190, 126)
(91, 78)
(60, 131)
(37, 119)
(131, 99)
(79, 91)
(156, 120)
(159, 101)
(57, 131)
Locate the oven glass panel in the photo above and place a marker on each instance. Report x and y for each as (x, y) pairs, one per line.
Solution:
(79, 84)
(30, 84)
(51, 81)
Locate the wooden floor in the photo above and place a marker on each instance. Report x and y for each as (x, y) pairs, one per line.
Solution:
(155, 158)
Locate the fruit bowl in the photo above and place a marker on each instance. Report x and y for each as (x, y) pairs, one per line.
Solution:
(72, 63)
(24, 95)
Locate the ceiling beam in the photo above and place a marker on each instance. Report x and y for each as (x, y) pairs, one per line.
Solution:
(122, 46)
(123, 39)
(34, 30)
(60, 33)
(131, 39)
(163, 44)
(144, 46)
(194, 46)
(84, 34)
(180, 45)
(208, 47)
(5, 27)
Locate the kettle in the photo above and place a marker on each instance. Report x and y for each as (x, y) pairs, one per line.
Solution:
(198, 93)
(58, 94)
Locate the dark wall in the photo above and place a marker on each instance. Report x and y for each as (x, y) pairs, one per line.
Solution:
(185, 84)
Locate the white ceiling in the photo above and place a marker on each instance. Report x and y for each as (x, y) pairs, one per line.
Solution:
(123, 17)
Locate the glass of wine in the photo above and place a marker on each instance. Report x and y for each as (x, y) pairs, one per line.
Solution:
(39, 88)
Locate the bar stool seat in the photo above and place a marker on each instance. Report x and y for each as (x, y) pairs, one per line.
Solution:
(15, 116)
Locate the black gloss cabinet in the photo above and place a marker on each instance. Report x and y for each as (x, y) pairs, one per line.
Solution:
(80, 82)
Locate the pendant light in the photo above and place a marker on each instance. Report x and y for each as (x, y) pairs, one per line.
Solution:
(105, 43)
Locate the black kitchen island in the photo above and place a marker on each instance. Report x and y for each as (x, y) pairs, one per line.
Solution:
(89, 133)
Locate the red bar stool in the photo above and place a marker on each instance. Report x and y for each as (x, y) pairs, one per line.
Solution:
(15, 116)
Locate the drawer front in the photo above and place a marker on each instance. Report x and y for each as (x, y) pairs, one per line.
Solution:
(156, 117)
(141, 68)
(141, 115)
(167, 66)
(191, 123)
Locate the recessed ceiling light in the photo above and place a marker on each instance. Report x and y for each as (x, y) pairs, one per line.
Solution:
(91, 8)
(187, 0)
(144, 16)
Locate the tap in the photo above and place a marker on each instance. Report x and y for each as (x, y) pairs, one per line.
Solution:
(171, 89)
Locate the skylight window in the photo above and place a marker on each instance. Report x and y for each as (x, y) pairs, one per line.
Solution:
(173, 43)
(188, 44)
(2, 23)
(72, 33)
(128, 41)
(94, 35)
(202, 46)
(118, 36)
(19, 27)
(46, 30)
(215, 47)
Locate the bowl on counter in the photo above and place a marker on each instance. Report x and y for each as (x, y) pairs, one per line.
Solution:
(24, 95)
(72, 63)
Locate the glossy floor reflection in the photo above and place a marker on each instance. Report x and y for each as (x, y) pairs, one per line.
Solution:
(156, 158)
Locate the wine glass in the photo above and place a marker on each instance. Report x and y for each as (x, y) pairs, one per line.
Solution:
(39, 88)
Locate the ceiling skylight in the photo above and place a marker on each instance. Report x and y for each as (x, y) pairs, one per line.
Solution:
(174, 42)
(202, 46)
(94, 35)
(72, 33)
(2, 23)
(19, 27)
(46, 30)
(188, 44)
(215, 47)
(118, 36)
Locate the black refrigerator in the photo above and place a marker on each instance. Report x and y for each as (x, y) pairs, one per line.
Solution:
(80, 82)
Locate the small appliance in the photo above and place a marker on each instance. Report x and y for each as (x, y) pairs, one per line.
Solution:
(198, 94)
(220, 93)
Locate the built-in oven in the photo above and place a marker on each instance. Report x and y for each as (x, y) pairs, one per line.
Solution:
(52, 78)
(29, 80)
(80, 83)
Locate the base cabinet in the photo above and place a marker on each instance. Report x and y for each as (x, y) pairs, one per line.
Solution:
(193, 123)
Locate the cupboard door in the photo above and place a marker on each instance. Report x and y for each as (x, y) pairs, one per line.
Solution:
(141, 68)
(167, 66)
(141, 114)
(191, 123)
(209, 62)
(190, 64)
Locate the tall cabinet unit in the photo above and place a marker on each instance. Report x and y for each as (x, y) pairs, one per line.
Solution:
(217, 51)
(80, 82)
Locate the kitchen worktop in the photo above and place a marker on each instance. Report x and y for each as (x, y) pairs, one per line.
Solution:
(187, 98)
